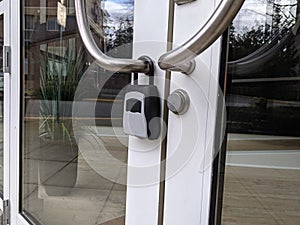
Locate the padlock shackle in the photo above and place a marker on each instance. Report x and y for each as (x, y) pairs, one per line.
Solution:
(150, 64)
(146, 59)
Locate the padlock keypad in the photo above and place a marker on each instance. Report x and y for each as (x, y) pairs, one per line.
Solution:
(133, 105)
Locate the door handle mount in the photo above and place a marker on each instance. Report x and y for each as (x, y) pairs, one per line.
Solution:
(207, 35)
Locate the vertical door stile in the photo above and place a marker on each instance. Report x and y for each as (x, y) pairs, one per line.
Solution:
(193, 132)
(6, 99)
(150, 38)
(15, 176)
(1, 12)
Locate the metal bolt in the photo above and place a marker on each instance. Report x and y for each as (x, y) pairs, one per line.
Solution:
(178, 102)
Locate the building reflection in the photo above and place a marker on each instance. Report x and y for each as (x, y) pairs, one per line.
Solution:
(264, 67)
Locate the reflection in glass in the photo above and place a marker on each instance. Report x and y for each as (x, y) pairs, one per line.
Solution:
(263, 152)
(1, 103)
(73, 144)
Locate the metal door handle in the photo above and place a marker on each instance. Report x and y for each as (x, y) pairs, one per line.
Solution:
(208, 34)
(104, 61)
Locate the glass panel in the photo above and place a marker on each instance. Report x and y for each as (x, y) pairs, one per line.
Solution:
(262, 184)
(1, 102)
(74, 149)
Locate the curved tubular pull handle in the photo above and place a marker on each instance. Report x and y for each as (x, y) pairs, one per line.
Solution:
(104, 61)
(208, 34)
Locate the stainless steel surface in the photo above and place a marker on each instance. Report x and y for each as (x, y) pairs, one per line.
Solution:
(104, 61)
(178, 102)
(186, 68)
(181, 2)
(208, 34)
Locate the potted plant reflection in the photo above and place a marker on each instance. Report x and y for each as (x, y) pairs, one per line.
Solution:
(59, 77)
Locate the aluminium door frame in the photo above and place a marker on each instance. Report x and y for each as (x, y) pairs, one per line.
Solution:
(5, 11)
(15, 109)
(208, 80)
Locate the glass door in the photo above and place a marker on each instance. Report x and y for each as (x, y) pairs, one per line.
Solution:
(263, 159)
(69, 131)
(77, 164)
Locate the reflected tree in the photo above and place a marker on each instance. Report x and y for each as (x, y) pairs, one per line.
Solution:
(277, 40)
(120, 34)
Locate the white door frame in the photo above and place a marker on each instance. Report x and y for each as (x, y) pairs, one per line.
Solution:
(15, 122)
(191, 136)
(150, 38)
(188, 185)
(5, 11)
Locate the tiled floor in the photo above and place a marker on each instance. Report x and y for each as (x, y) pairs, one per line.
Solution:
(259, 196)
(92, 199)
(258, 191)
(118, 221)
(253, 195)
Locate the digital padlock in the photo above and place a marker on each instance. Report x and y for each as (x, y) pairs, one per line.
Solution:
(142, 108)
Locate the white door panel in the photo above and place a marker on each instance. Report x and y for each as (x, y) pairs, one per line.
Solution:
(144, 156)
(5, 102)
(187, 194)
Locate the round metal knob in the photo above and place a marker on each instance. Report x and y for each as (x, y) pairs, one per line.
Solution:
(178, 102)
